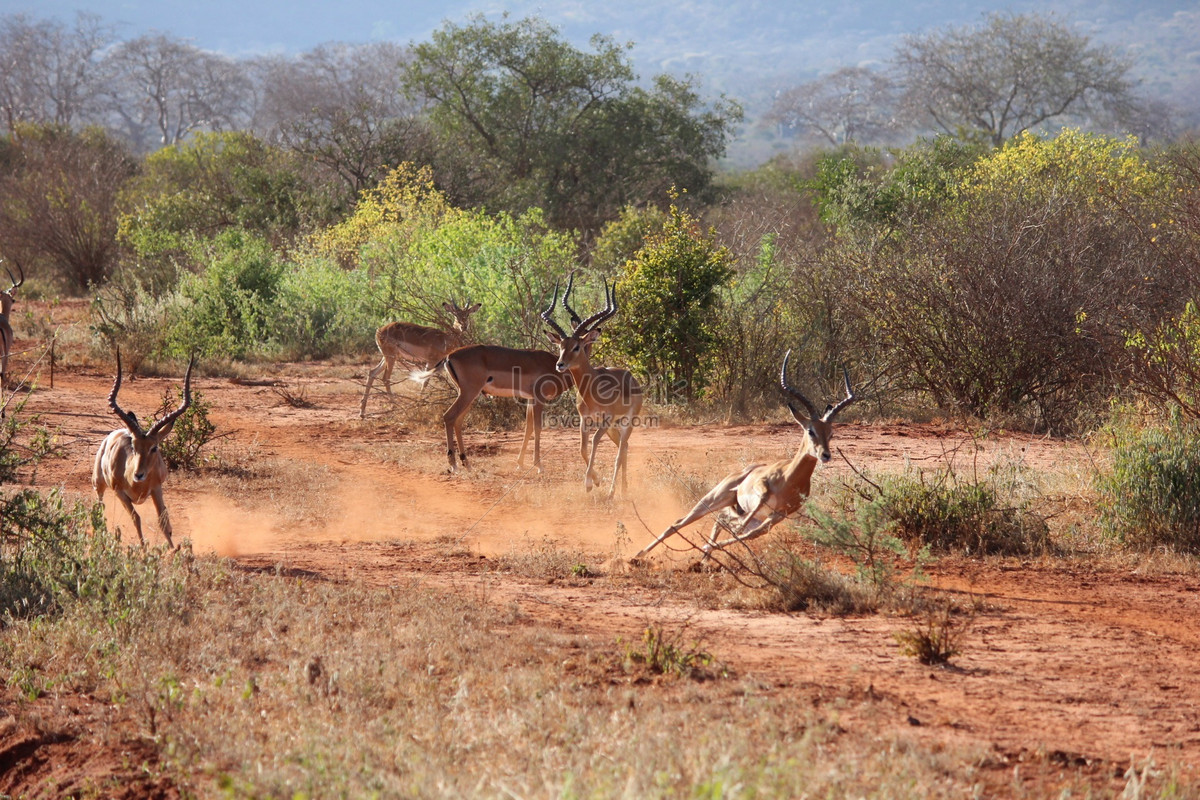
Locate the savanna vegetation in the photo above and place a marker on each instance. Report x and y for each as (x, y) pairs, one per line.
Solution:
(1036, 272)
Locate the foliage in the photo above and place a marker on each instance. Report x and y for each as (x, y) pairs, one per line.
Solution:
(207, 184)
(1014, 73)
(321, 309)
(621, 238)
(665, 653)
(226, 309)
(1011, 295)
(133, 312)
(944, 515)
(59, 215)
(867, 540)
(1149, 498)
(938, 636)
(568, 131)
(1166, 361)
(403, 203)
(24, 441)
(508, 264)
(668, 299)
(192, 432)
(850, 104)
(53, 554)
(864, 192)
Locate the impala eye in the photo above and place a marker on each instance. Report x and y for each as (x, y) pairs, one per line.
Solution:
(576, 350)
(154, 449)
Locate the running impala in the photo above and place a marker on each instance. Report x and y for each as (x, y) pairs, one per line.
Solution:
(129, 461)
(761, 495)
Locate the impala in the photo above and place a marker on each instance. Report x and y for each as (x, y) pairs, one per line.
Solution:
(6, 332)
(478, 369)
(129, 461)
(761, 495)
(608, 400)
(416, 345)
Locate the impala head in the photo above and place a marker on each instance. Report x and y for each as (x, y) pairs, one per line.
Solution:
(576, 347)
(146, 443)
(461, 314)
(6, 297)
(819, 427)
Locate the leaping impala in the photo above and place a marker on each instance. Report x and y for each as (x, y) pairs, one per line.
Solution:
(6, 332)
(417, 345)
(762, 495)
(608, 400)
(129, 461)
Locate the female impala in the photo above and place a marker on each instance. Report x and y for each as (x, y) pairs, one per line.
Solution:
(129, 461)
(608, 400)
(416, 345)
(763, 494)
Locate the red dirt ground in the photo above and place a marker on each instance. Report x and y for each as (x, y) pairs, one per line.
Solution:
(1075, 666)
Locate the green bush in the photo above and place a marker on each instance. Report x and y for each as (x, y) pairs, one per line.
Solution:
(192, 432)
(1150, 496)
(227, 309)
(946, 515)
(321, 309)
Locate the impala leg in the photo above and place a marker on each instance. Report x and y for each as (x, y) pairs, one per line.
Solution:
(137, 521)
(590, 479)
(371, 379)
(538, 411)
(721, 496)
(164, 519)
(753, 529)
(622, 465)
(453, 419)
(527, 437)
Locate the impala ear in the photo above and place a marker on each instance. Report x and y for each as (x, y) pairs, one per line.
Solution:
(796, 415)
(448, 307)
(553, 337)
(590, 337)
(472, 309)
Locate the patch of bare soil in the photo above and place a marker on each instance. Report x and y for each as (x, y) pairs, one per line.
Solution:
(1073, 667)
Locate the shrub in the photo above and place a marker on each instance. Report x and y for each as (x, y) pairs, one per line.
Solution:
(946, 515)
(24, 441)
(227, 309)
(192, 432)
(938, 636)
(668, 297)
(1150, 496)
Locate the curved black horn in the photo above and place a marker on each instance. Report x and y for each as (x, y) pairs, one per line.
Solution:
(601, 316)
(850, 398)
(566, 299)
(546, 315)
(127, 417)
(187, 400)
(789, 389)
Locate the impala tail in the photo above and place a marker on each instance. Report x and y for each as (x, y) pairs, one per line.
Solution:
(422, 376)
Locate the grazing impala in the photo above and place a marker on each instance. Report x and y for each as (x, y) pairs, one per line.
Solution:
(129, 461)
(6, 332)
(416, 345)
(762, 495)
(608, 400)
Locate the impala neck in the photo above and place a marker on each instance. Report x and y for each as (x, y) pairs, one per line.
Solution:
(800, 468)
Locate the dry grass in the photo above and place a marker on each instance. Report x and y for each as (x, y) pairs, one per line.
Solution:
(278, 685)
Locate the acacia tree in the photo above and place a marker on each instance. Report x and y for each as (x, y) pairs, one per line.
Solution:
(1014, 73)
(161, 88)
(60, 193)
(542, 123)
(343, 108)
(852, 104)
(47, 70)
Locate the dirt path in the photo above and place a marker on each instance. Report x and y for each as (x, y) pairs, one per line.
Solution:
(1080, 665)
